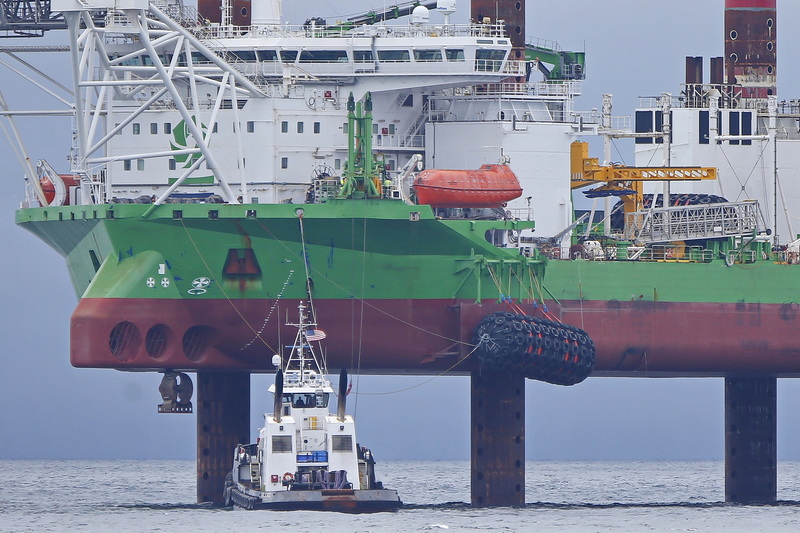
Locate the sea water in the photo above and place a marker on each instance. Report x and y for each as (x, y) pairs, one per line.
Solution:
(127, 495)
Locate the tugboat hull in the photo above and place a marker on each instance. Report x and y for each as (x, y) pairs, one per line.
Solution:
(336, 500)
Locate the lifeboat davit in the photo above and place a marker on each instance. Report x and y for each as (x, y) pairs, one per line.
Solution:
(488, 186)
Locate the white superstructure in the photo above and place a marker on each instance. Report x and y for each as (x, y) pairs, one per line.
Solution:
(174, 108)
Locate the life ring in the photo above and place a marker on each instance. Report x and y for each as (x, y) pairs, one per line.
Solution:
(288, 477)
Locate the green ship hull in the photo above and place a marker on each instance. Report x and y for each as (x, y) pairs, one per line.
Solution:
(206, 286)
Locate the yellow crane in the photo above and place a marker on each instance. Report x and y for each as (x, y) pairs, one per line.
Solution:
(626, 182)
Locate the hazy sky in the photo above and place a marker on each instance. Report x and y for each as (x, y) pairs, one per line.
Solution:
(51, 410)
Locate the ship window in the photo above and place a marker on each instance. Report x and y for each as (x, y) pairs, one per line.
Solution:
(408, 102)
(153, 128)
(199, 59)
(126, 165)
(215, 129)
(244, 55)
(324, 56)
(251, 126)
(284, 162)
(454, 54)
(363, 56)
(288, 56)
(374, 129)
(394, 55)
(345, 128)
(284, 126)
(427, 55)
(140, 164)
(342, 443)
(137, 128)
(281, 444)
(267, 55)
(489, 60)
(167, 128)
(337, 164)
(299, 127)
(172, 164)
(316, 127)
(391, 129)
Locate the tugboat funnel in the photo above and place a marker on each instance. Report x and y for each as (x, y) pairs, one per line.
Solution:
(278, 396)
(342, 394)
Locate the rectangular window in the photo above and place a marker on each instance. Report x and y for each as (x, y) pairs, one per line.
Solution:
(215, 129)
(393, 56)
(375, 129)
(172, 164)
(747, 125)
(284, 162)
(299, 127)
(167, 128)
(119, 132)
(323, 56)
(288, 56)
(284, 126)
(733, 125)
(137, 128)
(454, 54)
(345, 128)
(489, 60)
(337, 164)
(391, 129)
(363, 56)
(243, 55)
(267, 55)
(316, 127)
(427, 55)
(140, 164)
(126, 164)
(251, 126)
(153, 128)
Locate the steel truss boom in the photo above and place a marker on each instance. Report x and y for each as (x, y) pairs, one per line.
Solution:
(104, 81)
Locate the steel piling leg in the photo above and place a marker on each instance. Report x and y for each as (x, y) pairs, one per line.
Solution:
(498, 439)
(750, 433)
(223, 421)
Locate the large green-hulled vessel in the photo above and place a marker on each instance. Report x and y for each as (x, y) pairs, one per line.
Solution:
(205, 200)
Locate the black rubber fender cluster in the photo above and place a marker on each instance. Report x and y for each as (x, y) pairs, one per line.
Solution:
(535, 347)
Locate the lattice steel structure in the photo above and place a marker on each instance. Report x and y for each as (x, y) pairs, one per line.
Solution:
(705, 221)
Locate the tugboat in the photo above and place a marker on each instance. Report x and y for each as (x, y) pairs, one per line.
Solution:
(307, 458)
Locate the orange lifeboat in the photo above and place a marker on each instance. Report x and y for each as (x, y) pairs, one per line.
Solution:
(489, 186)
(58, 193)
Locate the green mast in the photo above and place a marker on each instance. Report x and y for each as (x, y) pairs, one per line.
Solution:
(361, 177)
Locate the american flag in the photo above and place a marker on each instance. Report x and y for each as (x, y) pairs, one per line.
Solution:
(315, 334)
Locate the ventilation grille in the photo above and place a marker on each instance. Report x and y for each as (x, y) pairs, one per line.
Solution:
(342, 443)
(281, 444)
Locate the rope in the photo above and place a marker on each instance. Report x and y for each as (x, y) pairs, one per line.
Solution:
(474, 349)
(224, 293)
(366, 302)
(271, 309)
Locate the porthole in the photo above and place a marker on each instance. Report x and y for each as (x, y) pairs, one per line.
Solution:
(196, 341)
(770, 46)
(156, 340)
(734, 58)
(734, 34)
(123, 341)
(770, 23)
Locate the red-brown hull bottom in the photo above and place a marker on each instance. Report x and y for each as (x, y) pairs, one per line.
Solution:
(426, 336)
